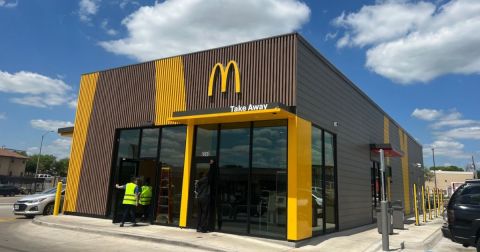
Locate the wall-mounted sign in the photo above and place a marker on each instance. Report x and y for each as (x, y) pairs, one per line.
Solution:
(249, 107)
(223, 71)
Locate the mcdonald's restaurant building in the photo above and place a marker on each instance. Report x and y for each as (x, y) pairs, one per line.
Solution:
(295, 141)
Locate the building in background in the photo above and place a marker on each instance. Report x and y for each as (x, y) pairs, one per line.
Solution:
(448, 181)
(12, 163)
(294, 140)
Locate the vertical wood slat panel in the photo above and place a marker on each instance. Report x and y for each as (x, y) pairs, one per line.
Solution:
(266, 74)
(86, 95)
(125, 97)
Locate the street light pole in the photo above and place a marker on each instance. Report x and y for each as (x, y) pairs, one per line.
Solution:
(384, 205)
(474, 168)
(38, 158)
(434, 168)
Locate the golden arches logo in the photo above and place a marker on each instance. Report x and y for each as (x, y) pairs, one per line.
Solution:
(224, 75)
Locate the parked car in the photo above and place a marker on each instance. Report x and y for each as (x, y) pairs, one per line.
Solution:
(37, 204)
(9, 190)
(463, 215)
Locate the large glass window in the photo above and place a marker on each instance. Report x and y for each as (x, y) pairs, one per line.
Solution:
(323, 182)
(206, 141)
(317, 180)
(170, 179)
(128, 144)
(149, 143)
(138, 156)
(330, 194)
(268, 212)
(233, 176)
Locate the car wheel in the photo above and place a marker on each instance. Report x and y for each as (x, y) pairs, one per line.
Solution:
(48, 210)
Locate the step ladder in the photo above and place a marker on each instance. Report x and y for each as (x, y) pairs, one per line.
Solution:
(165, 199)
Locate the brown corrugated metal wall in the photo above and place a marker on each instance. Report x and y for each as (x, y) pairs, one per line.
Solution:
(125, 97)
(267, 74)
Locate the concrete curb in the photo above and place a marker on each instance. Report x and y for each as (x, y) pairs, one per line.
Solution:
(124, 235)
(426, 244)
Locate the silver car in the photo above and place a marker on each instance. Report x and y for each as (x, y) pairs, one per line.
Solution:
(36, 204)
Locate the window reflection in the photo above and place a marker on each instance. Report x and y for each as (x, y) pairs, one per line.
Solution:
(317, 180)
(172, 152)
(206, 141)
(329, 182)
(128, 144)
(269, 179)
(149, 143)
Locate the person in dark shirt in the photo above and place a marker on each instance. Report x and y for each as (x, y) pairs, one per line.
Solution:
(203, 200)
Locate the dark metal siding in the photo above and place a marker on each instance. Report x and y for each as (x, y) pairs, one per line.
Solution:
(324, 95)
(266, 74)
(125, 97)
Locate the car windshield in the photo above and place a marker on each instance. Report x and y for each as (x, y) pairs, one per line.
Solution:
(49, 191)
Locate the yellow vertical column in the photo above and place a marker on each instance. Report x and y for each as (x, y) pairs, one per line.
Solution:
(405, 170)
(299, 214)
(88, 85)
(186, 175)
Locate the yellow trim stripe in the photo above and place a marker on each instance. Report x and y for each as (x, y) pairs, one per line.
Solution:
(88, 85)
(186, 175)
(170, 93)
(405, 169)
(299, 214)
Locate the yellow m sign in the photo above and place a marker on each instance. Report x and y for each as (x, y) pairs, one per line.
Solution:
(224, 75)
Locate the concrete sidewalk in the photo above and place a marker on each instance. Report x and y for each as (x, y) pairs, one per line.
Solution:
(364, 238)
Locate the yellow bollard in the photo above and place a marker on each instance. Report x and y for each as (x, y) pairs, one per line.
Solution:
(423, 204)
(438, 202)
(429, 208)
(435, 202)
(415, 204)
(58, 198)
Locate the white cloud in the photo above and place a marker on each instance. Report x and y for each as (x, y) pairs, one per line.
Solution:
(52, 125)
(416, 41)
(106, 28)
(8, 4)
(471, 133)
(426, 114)
(73, 103)
(447, 148)
(124, 3)
(177, 27)
(330, 36)
(60, 148)
(3, 115)
(38, 90)
(88, 8)
(443, 119)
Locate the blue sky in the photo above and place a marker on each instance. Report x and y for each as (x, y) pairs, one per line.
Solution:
(419, 60)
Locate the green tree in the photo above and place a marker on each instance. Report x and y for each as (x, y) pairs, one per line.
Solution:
(61, 167)
(446, 168)
(45, 165)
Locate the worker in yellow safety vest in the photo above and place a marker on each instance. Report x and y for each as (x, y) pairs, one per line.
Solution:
(146, 199)
(130, 200)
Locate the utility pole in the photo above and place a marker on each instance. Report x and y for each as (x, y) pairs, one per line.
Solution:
(384, 206)
(38, 160)
(434, 168)
(474, 168)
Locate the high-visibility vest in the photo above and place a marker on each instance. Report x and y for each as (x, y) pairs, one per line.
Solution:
(129, 198)
(146, 195)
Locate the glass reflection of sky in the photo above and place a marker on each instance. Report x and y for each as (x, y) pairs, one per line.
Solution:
(234, 147)
(270, 147)
(316, 146)
(149, 143)
(128, 143)
(329, 154)
(172, 150)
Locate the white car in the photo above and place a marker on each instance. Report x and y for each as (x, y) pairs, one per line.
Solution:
(37, 204)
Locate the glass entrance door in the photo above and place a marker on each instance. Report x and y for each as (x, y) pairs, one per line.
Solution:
(127, 170)
(250, 181)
